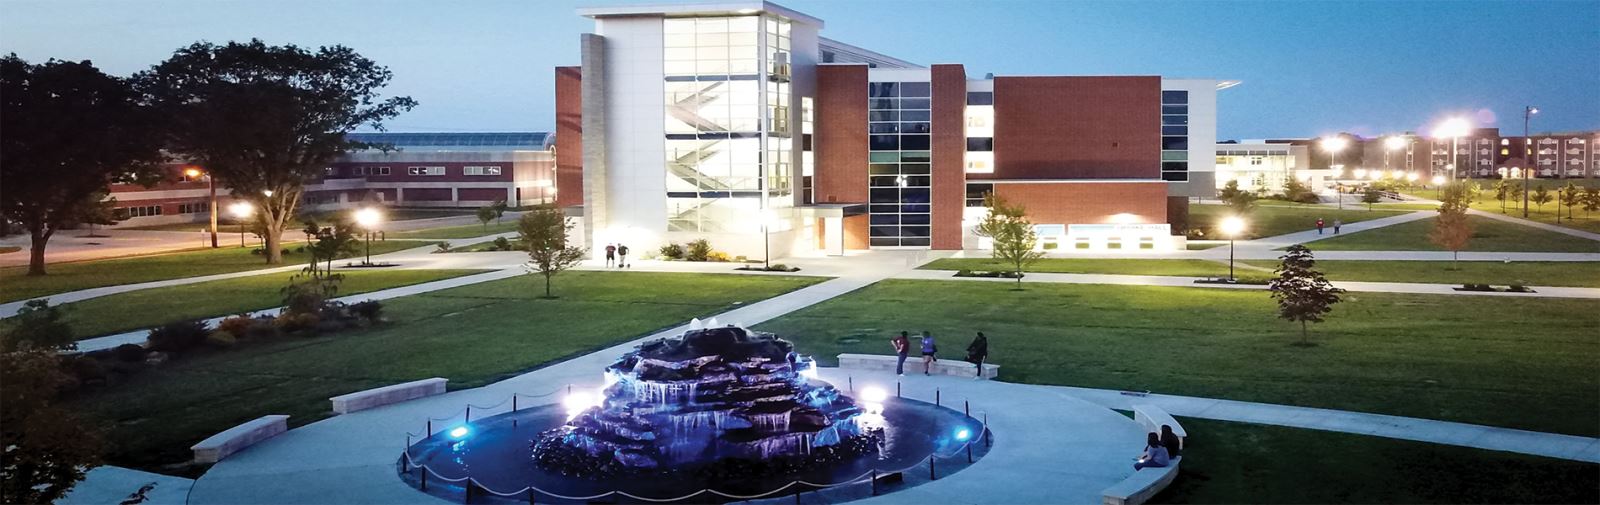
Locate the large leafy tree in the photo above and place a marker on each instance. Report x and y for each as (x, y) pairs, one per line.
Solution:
(1011, 234)
(544, 229)
(46, 448)
(70, 131)
(1452, 230)
(1302, 293)
(266, 119)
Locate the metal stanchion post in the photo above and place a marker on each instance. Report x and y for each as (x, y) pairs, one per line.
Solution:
(569, 389)
(874, 483)
(969, 452)
(424, 471)
(469, 414)
(896, 390)
(513, 402)
(966, 407)
(530, 495)
(466, 497)
(797, 495)
(932, 458)
(937, 400)
(430, 429)
(852, 381)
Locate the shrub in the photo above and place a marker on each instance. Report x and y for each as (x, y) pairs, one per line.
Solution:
(257, 251)
(88, 371)
(699, 250)
(718, 256)
(369, 310)
(293, 323)
(442, 247)
(221, 339)
(260, 328)
(179, 336)
(672, 252)
(501, 244)
(41, 326)
(129, 353)
(238, 326)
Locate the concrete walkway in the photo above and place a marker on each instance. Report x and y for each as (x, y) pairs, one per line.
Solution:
(1189, 282)
(111, 485)
(1302, 237)
(1550, 445)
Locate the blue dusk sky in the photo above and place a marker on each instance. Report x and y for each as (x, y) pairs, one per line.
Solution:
(1309, 67)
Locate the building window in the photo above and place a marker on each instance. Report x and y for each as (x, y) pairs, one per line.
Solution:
(975, 192)
(425, 170)
(1175, 136)
(981, 144)
(330, 171)
(980, 98)
(194, 208)
(899, 181)
(481, 170)
(138, 211)
(383, 171)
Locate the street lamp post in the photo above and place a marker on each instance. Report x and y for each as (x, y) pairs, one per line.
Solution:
(1455, 128)
(1528, 156)
(1232, 226)
(241, 210)
(1333, 145)
(211, 184)
(368, 218)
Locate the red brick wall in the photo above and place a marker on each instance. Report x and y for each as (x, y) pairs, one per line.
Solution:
(1089, 202)
(1077, 128)
(949, 154)
(569, 136)
(840, 141)
(1178, 213)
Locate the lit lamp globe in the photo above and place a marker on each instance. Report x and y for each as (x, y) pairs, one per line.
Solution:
(1394, 143)
(1232, 226)
(241, 210)
(368, 218)
(1438, 179)
(1412, 176)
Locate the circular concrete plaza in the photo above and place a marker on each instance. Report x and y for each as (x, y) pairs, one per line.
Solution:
(1047, 446)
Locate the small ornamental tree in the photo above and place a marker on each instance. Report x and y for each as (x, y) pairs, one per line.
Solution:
(1302, 293)
(1452, 230)
(45, 449)
(544, 230)
(1013, 240)
(1502, 191)
(1571, 196)
(1239, 200)
(486, 214)
(1541, 196)
(500, 209)
(40, 326)
(1591, 200)
(1371, 196)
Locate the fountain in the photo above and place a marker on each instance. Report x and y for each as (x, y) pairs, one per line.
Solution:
(708, 396)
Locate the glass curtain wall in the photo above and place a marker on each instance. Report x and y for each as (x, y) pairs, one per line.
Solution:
(1175, 135)
(724, 99)
(899, 174)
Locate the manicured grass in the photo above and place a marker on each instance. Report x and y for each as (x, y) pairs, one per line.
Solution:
(1513, 206)
(1278, 218)
(1201, 247)
(1406, 206)
(1184, 268)
(1488, 235)
(1530, 363)
(1226, 462)
(458, 232)
(1530, 273)
(153, 307)
(15, 284)
(472, 335)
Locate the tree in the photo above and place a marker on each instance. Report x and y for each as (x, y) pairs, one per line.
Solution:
(486, 214)
(1371, 196)
(1452, 230)
(1303, 294)
(500, 209)
(1541, 196)
(1571, 195)
(1239, 200)
(327, 243)
(41, 326)
(1502, 191)
(1011, 234)
(47, 449)
(70, 132)
(266, 119)
(1591, 200)
(544, 230)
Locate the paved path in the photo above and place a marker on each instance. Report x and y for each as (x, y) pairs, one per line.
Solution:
(111, 485)
(1188, 282)
(1406, 428)
(1543, 226)
(1302, 237)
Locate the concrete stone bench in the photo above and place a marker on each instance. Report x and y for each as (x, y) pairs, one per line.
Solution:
(883, 363)
(1145, 484)
(237, 438)
(378, 397)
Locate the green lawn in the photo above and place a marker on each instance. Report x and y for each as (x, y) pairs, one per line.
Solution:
(1228, 462)
(1278, 218)
(458, 232)
(1513, 206)
(1530, 363)
(472, 335)
(1530, 273)
(1184, 268)
(153, 307)
(9, 249)
(15, 284)
(1488, 235)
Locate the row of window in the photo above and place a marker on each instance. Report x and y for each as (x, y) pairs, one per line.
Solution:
(1175, 135)
(899, 182)
(194, 208)
(139, 211)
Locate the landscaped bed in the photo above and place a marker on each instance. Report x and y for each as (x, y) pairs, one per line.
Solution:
(1489, 235)
(15, 284)
(472, 335)
(1530, 363)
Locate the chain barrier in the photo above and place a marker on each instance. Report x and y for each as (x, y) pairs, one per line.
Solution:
(931, 459)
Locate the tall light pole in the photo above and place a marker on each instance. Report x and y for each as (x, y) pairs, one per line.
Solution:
(241, 210)
(1455, 128)
(1528, 156)
(211, 183)
(1232, 226)
(1390, 145)
(1333, 145)
(368, 218)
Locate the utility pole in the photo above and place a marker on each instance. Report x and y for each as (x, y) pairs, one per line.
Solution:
(1529, 157)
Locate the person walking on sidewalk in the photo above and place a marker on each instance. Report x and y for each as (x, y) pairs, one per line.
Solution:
(1319, 226)
(622, 256)
(611, 254)
(1336, 224)
(978, 351)
(902, 346)
(930, 353)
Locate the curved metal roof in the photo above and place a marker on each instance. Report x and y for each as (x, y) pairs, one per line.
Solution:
(459, 141)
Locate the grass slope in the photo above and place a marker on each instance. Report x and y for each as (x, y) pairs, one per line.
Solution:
(1513, 206)
(472, 335)
(458, 232)
(1530, 273)
(1520, 363)
(1185, 268)
(1277, 218)
(15, 284)
(1488, 235)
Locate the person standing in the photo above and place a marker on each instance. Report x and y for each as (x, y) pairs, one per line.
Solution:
(978, 351)
(1336, 224)
(611, 254)
(902, 346)
(1319, 226)
(930, 353)
(622, 256)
